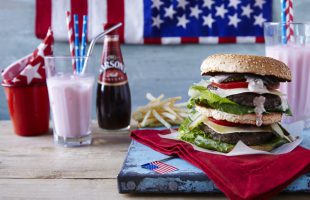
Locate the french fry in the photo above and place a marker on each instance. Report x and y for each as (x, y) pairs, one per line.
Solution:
(157, 116)
(160, 111)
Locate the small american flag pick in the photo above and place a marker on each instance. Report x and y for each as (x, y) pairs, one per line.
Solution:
(159, 167)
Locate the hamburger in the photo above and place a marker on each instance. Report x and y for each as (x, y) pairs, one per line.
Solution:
(239, 102)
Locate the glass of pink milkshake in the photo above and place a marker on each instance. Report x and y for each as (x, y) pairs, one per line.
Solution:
(70, 96)
(295, 52)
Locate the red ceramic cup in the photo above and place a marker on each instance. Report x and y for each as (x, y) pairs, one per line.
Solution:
(29, 109)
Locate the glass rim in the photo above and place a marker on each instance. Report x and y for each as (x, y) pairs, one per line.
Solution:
(66, 57)
(292, 23)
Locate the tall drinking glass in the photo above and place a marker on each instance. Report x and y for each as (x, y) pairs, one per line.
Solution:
(295, 52)
(70, 96)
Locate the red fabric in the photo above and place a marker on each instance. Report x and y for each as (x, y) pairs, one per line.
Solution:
(239, 177)
(188, 40)
(43, 17)
(115, 14)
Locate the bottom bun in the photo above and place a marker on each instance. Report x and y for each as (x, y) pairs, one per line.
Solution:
(250, 119)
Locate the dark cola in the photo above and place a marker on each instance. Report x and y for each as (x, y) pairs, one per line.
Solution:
(113, 94)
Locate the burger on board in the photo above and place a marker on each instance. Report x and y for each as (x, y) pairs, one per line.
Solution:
(240, 101)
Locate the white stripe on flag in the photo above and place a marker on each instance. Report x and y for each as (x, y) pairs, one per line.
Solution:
(248, 39)
(97, 16)
(208, 40)
(170, 40)
(133, 21)
(59, 26)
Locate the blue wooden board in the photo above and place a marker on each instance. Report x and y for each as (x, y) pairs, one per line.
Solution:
(188, 179)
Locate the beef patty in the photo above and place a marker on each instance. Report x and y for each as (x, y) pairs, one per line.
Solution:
(251, 138)
(272, 101)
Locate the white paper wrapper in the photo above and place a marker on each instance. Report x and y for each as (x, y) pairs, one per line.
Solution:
(295, 129)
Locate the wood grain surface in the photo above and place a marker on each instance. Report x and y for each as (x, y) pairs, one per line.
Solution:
(36, 168)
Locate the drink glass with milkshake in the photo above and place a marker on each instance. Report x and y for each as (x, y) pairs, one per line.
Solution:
(70, 96)
(294, 51)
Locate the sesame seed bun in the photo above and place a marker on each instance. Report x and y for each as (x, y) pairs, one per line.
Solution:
(246, 64)
(250, 119)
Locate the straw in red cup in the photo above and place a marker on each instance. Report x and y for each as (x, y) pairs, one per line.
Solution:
(71, 38)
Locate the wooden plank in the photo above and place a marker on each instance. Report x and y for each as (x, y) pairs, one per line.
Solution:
(90, 189)
(38, 157)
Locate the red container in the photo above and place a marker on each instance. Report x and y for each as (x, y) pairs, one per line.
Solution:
(29, 109)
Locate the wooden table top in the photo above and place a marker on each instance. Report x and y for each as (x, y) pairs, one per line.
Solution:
(35, 168)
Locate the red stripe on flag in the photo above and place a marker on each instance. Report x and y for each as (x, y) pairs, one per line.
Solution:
(43, 17)
(260, 40)
(186, 40)
(227, 39)
(116, 14)
(152, 40)
(80, 8)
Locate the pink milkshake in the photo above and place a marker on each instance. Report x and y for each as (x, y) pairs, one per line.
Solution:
(297, 57)
(71, 99)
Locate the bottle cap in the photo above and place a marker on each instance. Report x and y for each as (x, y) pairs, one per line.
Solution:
(109, 25)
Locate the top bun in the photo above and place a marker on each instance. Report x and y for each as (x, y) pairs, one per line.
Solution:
(234, 63)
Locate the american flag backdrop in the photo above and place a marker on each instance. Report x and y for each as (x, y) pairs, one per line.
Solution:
(162, 21)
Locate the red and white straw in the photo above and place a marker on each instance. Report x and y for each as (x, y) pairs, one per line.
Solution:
(289, 12)
(71, 38)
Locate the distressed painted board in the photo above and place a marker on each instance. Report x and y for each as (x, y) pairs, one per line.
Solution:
(188, 179)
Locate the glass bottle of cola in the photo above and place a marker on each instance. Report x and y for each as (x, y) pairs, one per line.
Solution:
(113, 94)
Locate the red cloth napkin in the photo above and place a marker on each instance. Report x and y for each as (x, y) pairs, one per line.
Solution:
(239, 177)
(30, 70)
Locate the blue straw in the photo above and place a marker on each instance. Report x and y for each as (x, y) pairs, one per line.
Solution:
(76, 42)
(283, 19)
(83, 43)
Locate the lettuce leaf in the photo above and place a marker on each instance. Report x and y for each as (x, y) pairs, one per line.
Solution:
(204, 97)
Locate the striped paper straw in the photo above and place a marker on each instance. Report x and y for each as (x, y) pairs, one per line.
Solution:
(83, 43)
(289, 19)
(76, 42)
(283, 20)
(71, 38)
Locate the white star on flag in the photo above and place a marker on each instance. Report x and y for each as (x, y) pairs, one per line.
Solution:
(259, 3)
(208, 20)
(234, 20)
(157, 21)
(246, 11)
(169, 12)
(41, 49)
(207, 3)
(234, 3)
(156, 4)
(182, 4)
(259, 20)
(195, 11)
(182, 21)
(221, 11)
(31, 72)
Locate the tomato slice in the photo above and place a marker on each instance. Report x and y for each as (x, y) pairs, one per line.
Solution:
(231, 85)
(222, 122)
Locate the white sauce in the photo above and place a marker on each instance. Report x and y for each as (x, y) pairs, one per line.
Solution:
(259, 109)
(256, 85)
(218, 78)
(284, 104)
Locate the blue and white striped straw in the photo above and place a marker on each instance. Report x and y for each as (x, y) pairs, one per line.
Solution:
(76, 42)
(283, 20)
(83, 42)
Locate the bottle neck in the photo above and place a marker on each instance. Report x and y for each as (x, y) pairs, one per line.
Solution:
(111, 54)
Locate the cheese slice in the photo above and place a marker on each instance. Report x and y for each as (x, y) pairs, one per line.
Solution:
(228, 92)
(232, 129)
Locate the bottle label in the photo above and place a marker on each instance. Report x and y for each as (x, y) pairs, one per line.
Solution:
(112, 61)
(113, 76)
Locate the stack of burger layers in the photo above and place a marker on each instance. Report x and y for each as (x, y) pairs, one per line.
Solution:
(239, 102)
